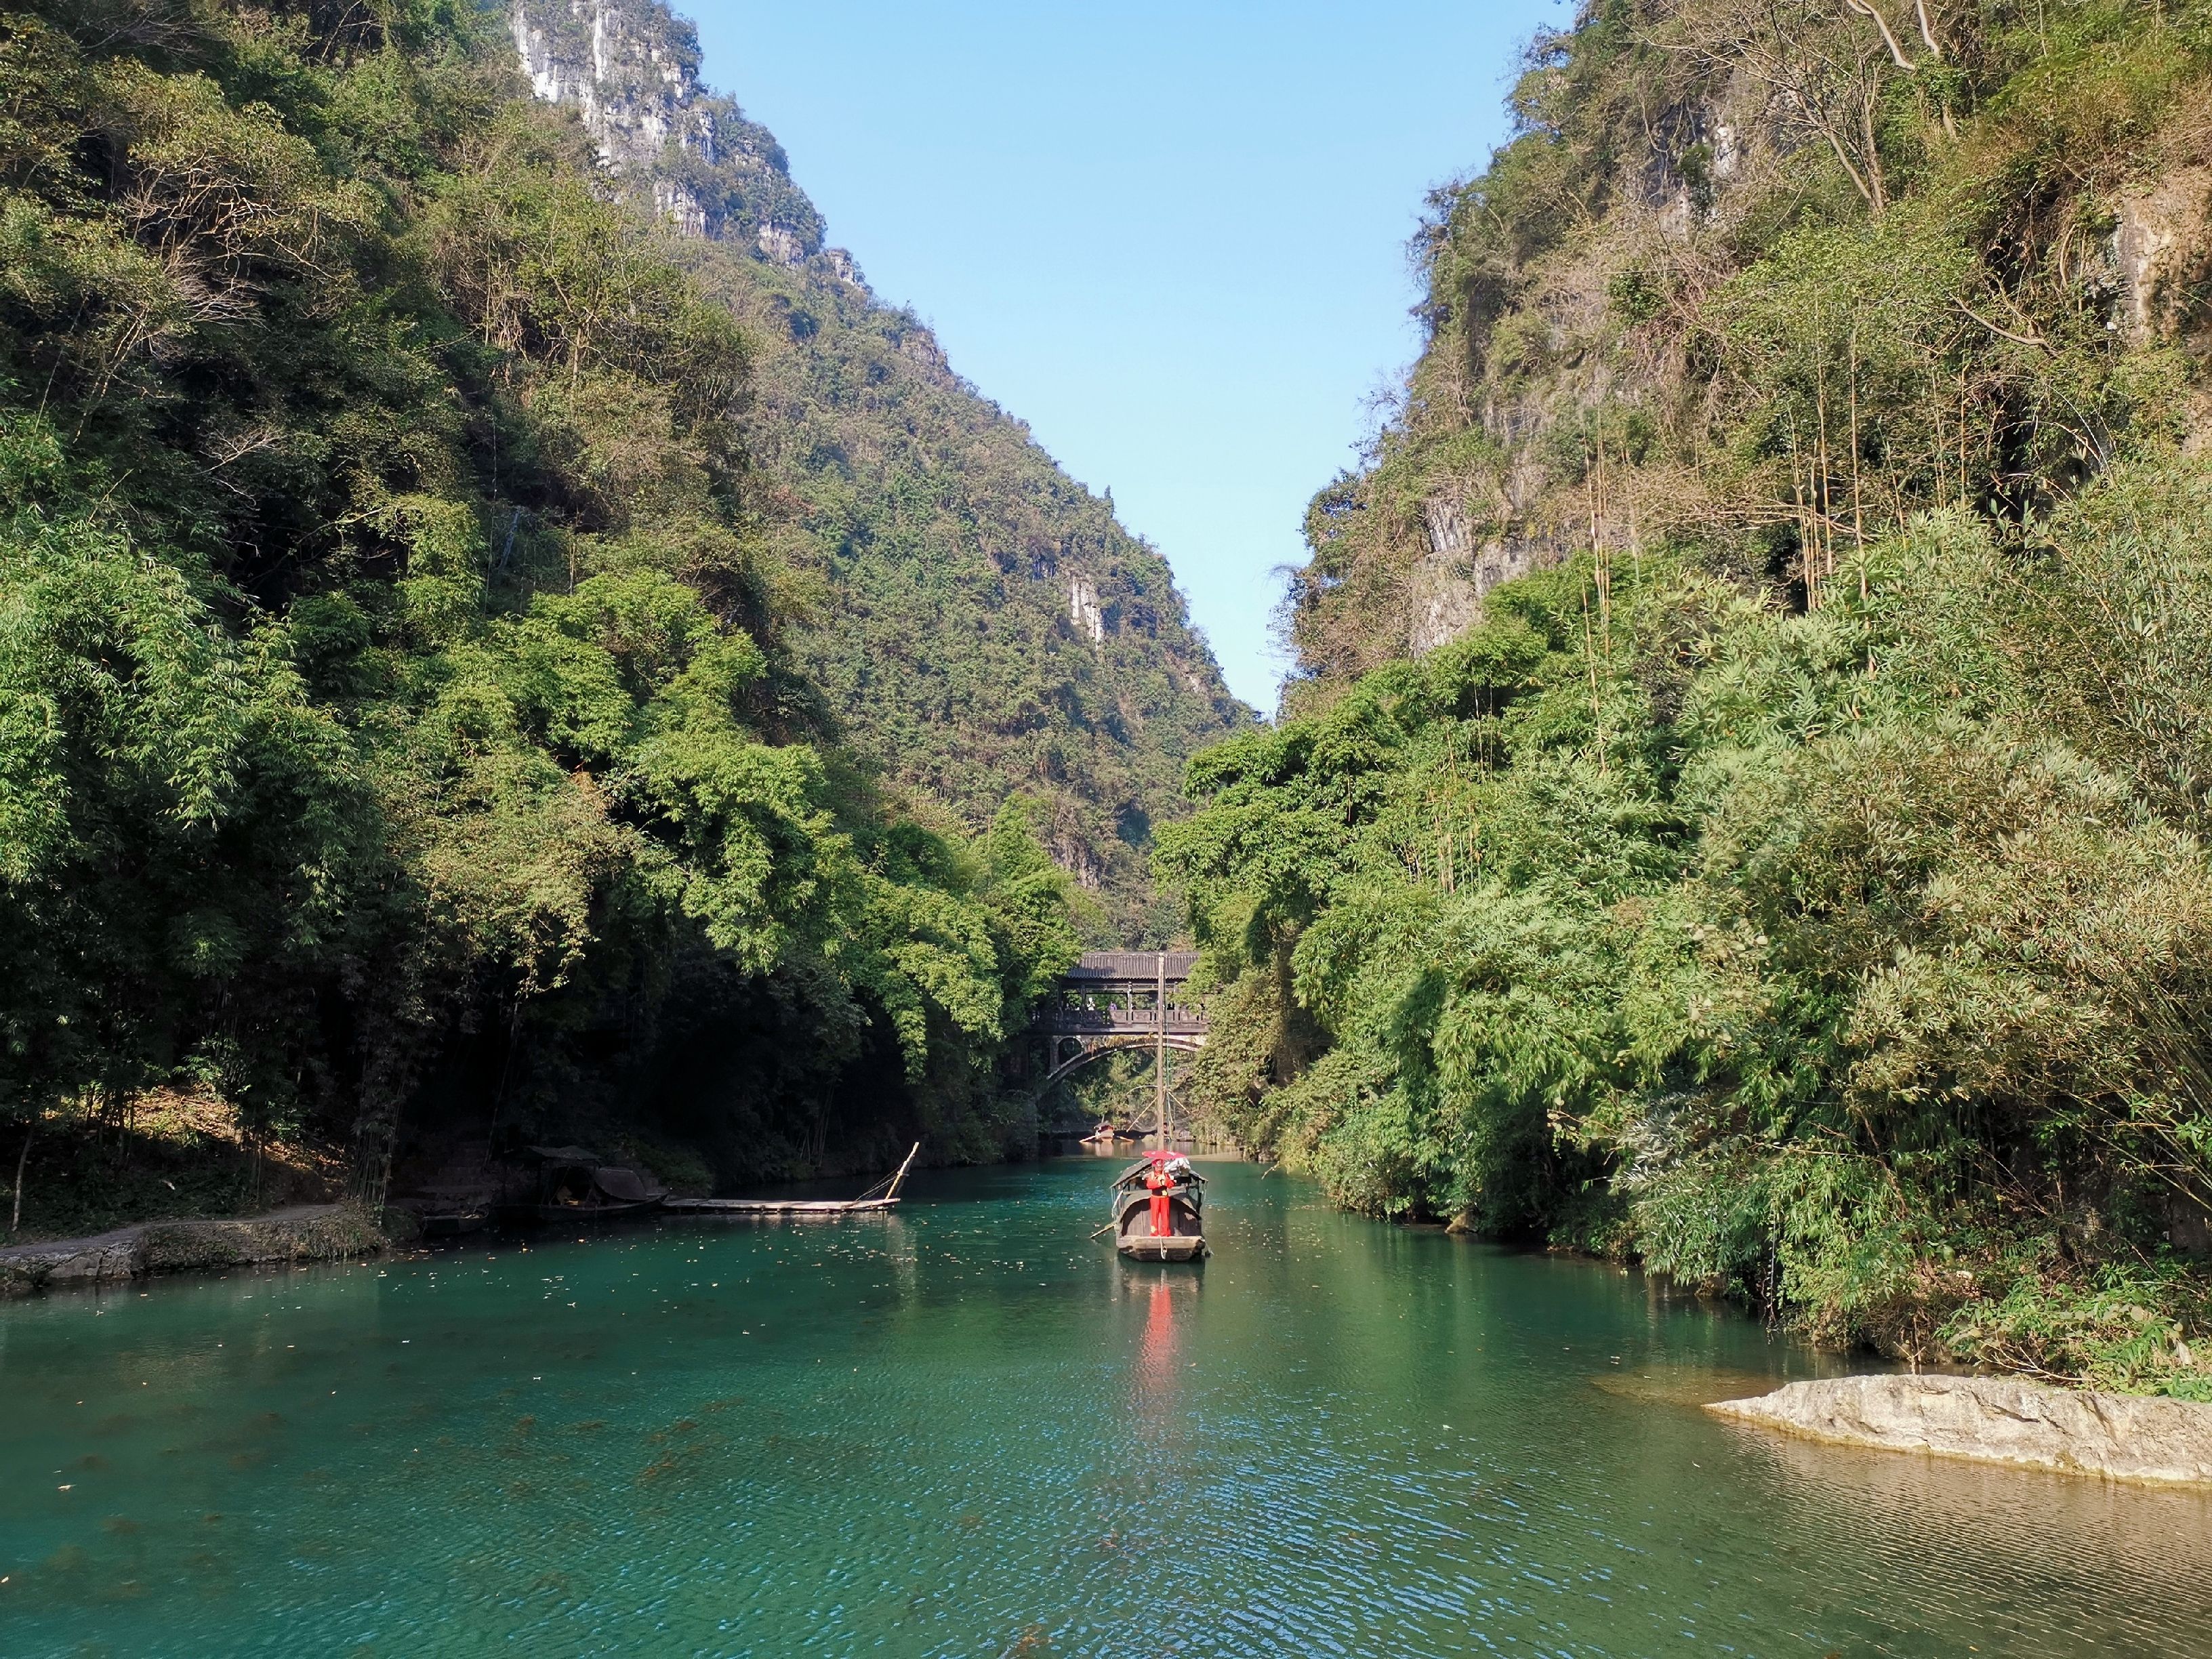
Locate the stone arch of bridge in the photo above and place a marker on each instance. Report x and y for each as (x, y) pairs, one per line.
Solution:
(1092, 1048)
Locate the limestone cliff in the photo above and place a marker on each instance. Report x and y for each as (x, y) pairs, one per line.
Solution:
(631, 72)
(1712, 217)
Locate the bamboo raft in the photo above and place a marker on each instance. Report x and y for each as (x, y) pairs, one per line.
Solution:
(872, 1202)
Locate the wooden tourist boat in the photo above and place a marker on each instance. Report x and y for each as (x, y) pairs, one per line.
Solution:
(569, 1183)
(1166, 1173)
(884, 1196)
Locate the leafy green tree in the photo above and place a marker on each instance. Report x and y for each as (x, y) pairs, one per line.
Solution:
(399, 727)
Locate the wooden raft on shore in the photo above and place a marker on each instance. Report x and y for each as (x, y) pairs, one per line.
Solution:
(871, 1202)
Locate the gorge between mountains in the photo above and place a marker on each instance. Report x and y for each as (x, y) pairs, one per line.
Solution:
(527, 689)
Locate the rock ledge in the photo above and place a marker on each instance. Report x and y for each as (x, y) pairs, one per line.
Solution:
(308, 1232)
(1994, 1419)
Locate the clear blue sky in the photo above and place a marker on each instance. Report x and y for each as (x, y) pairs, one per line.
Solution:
(1171, 237)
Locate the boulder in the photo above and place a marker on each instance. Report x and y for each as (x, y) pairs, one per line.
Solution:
(1995, 1419)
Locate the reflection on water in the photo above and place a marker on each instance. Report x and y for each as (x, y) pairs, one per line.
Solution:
(1915, 1525)
(970, 1431)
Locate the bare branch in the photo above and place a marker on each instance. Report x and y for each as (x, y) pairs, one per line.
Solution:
(1864, 9)
(1926, 29)
(2035, 340)
(1858, 180)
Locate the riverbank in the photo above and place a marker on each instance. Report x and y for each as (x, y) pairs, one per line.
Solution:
(89, 1168)
(1995, 1419)
(304, 1232)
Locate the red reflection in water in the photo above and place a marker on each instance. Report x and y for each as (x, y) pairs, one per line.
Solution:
(1157, 1382)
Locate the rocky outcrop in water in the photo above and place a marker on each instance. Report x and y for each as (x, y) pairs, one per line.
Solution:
(1996, 1420)
(308, 1232)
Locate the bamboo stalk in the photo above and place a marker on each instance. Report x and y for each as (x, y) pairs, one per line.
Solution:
(1858, 512)
(22, 1159)
(1589, 656)
(893, 1191)
(1821, 492)
(1806, 552)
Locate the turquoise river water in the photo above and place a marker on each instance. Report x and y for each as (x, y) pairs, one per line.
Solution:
(967, 1432)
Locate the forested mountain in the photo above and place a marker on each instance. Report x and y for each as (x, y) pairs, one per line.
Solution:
(975, 620)
(424, 689)
(1743, 804)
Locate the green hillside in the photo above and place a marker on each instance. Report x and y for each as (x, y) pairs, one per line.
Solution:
(1743, 806)
(412, 705)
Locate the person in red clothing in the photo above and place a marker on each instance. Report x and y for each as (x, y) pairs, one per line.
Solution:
(1158, 1182)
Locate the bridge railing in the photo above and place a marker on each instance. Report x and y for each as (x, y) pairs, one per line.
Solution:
(1083, 1021)
(1112, 992)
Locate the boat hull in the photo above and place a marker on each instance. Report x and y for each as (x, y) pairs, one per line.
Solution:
(453, 1224)
(1175, 1247)
(1185, 1239)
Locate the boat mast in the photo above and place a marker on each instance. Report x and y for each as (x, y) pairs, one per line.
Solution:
(893, 1191)
(1160, 1045)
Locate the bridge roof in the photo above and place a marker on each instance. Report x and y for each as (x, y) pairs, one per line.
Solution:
(1134, 965)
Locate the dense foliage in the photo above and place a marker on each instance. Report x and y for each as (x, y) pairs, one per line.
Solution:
(1799, 882)
(396, 710)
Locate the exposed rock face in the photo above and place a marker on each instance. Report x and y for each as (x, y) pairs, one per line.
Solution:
(631, 72)
(2159, 247)
(1441, 603)
(1448, 583)
(1996, 1420)
(1084, 614)
(635, 85)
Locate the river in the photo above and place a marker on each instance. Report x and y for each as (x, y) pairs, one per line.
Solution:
(967, 1432)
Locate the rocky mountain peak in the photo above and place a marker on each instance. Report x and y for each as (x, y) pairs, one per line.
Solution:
(633, 74)
(630, 70)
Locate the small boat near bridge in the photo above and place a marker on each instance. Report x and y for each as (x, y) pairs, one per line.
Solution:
(1158, 1205)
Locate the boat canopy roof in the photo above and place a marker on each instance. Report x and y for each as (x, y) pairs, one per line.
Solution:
(626, 1185)
(1135, 1172)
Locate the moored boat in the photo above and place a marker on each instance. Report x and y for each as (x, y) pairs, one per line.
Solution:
(570, 1183)
(1159, 1209)
(879, 1199)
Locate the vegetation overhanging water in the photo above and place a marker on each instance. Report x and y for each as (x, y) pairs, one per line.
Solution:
(966, 1430)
